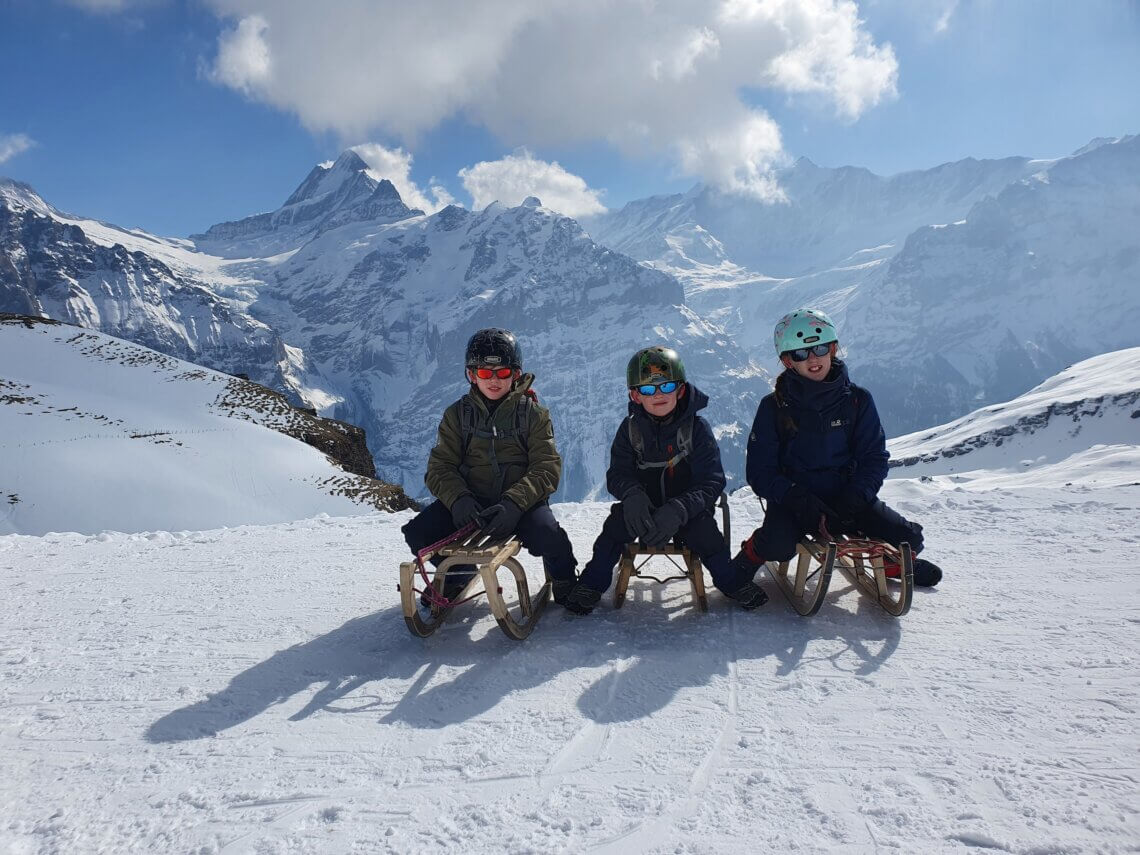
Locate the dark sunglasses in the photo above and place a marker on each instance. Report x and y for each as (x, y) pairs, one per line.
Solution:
(665, 388)
(801, 354)
(488, 373)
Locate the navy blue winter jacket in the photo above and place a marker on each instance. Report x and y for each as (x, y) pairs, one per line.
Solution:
(818, 448)
(696, 482)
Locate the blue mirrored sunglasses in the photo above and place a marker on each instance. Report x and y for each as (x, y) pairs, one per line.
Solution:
(801, 354)
(653, 388)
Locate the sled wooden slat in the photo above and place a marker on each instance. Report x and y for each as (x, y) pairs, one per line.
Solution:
(488, 556)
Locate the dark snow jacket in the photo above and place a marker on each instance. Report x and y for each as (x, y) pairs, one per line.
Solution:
(823, 435)
(696, 481)
(495, 463)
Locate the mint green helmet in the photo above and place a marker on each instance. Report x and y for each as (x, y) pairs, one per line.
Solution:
(803, 328)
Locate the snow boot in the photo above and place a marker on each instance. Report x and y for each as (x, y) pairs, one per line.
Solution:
(581, 600)
(749, 595)
(746, 563)
(926, 573)
(561, 588)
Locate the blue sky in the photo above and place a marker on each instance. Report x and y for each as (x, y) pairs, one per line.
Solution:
(172, 116)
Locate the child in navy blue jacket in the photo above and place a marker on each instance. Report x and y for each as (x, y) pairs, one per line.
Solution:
(665, 470)
(818, 454)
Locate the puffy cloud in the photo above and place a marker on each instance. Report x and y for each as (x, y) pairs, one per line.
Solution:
(243, 61)
(519, 175)
(651, 77)
(395, 164)
(14, 144)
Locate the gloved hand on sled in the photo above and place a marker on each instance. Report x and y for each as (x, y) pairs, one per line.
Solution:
(465, 511)
(638, 513)
(850, 507)
(812, 515)
(500, 520)
(666, 520)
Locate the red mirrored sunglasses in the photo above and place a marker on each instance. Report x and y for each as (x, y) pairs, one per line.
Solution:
(488, 373)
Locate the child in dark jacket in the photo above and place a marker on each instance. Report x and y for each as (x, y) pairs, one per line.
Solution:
(665, 470)
(818, 454)
(499, 470)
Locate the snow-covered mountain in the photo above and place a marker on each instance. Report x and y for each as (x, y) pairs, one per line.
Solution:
(826, 216)
(99, 433)
(157, 292)
(954, 287)
(1040, 276)
(368, 305)
(333, 194)
(1082, 425)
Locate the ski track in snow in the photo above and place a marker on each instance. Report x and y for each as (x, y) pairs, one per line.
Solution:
(254, 689)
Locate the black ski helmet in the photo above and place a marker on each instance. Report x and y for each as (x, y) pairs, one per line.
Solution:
(655, 364)
(493, 346)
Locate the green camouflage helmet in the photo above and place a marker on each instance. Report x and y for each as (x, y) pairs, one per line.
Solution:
(654, 365)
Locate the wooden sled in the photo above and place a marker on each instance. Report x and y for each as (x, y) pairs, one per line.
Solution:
(692, 569)
(487, 556)
(859, 559)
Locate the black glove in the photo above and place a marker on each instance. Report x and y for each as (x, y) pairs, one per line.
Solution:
(499, 520)
(465, 511)
(850, 507)
(812, 515)
(638, 512)
(666, 520)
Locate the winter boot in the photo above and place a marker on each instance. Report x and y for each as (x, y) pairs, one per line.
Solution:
(581, 600)
(746, 563)
(926, 573)
(749, 595)
(561, 588)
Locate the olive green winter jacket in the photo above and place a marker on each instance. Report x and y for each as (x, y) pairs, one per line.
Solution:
(529, 474)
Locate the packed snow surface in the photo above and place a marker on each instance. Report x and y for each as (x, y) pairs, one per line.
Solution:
(255, 689)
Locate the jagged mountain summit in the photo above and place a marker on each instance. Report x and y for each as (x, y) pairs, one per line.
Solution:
(334, 194)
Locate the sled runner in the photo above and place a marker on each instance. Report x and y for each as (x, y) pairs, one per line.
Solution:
(861, 560)
(692, 570)
(470, 547)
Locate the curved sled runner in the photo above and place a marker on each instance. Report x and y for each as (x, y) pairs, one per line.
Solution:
(692, 571)
(861, 560)
(488, 556)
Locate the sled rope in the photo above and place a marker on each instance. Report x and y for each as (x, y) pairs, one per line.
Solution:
(436, 598)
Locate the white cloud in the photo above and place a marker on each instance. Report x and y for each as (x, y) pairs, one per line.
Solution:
(108, 6)
(519, 175)
(650, 77)
(943, 22)
(243, 61)
(395, 164)
(14, 144)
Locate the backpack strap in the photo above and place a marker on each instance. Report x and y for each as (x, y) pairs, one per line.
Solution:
(684, 445)
(471, 425)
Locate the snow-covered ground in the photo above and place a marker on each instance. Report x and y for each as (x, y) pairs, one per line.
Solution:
(99, 433)
(254, 689)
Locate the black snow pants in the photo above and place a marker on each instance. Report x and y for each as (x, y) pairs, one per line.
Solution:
(777, 537)
(699, 534)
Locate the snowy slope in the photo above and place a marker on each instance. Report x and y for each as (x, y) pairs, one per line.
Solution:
(1085, 420)
(254, 690)
(98, 433)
